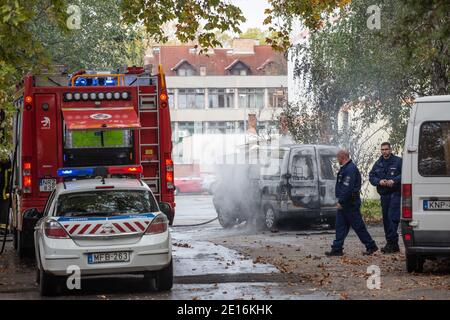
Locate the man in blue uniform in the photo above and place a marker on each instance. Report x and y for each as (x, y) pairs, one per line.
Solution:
(386, 175)
(348, 186)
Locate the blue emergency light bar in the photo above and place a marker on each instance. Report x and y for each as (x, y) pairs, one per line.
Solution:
(83, 82)
(75, 172)
(100, 171)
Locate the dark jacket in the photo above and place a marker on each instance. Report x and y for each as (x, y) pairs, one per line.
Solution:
(389, 169)
(348, 184)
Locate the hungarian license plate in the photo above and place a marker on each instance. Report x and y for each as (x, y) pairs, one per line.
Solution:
(108, 257)
(436, 204)
(47, 185)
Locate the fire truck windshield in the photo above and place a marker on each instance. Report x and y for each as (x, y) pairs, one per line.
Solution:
(76, 139)
(98, 147)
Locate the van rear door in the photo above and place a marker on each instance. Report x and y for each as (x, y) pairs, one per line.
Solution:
(431, 173)
(328, 168)
(304, 186)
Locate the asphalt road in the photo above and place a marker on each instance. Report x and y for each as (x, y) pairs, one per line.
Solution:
(242, 263)
(202, 269)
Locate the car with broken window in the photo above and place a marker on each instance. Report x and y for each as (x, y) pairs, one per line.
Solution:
(103, 227)
(278, 183)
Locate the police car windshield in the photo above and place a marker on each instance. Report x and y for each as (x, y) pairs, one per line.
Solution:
(105, 203)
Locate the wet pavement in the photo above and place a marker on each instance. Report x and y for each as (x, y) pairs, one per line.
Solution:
(202, 269)
(242, 263)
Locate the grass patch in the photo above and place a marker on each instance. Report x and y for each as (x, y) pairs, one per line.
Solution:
(371, 211)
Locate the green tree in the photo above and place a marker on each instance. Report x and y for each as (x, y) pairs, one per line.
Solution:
(103, 40)
(196, 20)
(256, 34)
(346, 63)
(284, 14)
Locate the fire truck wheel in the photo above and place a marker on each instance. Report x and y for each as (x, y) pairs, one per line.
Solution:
(14, 232)
(48, 284)
(164, 278)
(21, 250)
(270, 218)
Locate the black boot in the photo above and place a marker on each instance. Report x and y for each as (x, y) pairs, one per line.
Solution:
(370, 251)
(390, 247)
(387, 247)
(334, 253)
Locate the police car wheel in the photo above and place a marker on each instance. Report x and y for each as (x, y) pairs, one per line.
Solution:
(270, 218)
(164, 278)
(48, 284)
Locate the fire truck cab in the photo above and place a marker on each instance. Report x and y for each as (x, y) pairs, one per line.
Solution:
(119, 120)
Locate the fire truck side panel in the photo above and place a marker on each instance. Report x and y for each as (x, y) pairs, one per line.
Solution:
(165, 140)
(46, 138)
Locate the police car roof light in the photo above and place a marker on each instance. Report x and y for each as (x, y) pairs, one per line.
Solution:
(75, 172)
(125, 170)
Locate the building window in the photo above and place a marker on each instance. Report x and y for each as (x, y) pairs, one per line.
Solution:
(186, 71)
(221, 98)
(203, 71)
(267, 128)
(251, 98)
(191, 98)
(184, 68)
(277, 96)
(239, 69)
(240, 127)
(170, 95)
(221, 127)
(185, 129)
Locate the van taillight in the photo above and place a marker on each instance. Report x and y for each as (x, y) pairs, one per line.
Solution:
(406, 201)
(54, 230)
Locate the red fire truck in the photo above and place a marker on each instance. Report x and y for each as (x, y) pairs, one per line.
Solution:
(120, 121)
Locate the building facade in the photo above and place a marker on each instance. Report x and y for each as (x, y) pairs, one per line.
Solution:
(218, 92)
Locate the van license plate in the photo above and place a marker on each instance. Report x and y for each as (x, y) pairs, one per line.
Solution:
(108, 257)
(47, 185)
(436, 205)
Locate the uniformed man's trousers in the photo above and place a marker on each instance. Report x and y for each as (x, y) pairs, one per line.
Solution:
(351, 217)
(390, 206)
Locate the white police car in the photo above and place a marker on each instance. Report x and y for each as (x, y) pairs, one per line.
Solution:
(103, 227)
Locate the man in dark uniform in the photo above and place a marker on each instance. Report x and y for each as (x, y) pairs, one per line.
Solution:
(348, 186)
(386, 175)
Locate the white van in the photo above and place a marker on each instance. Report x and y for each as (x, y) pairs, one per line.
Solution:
(426, 182)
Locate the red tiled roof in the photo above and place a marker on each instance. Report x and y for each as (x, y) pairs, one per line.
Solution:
(216, 62)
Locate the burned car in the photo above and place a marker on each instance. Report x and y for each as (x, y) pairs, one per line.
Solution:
(278, 183)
